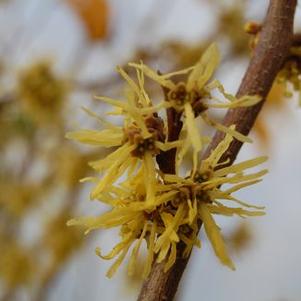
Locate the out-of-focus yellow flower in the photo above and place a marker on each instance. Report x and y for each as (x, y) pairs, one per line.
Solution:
(291, 74)
(253, 29)
(241, 237)
(61, 241)
(41, 93)
(231, 25)
(17, 266)
(287, 82)
(275, 101)
(14, 124)
(184, 55)
(16, 199)
(276, 95)
(131, 283)
(72, 165)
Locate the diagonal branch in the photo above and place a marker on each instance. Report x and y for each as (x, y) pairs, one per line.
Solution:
(270, 53)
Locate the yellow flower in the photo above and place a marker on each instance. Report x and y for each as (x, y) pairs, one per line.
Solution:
(159, 209)
(241, 237)
(194, 97)
(174, 211)
(141, 137)
(204, 190)
(133, 212)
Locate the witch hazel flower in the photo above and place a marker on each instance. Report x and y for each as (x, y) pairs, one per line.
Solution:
(136, 142)
(193, 97)
(177, 207)
(158, 211)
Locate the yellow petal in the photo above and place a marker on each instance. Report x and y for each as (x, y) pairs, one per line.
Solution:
(239, 167)
(241, 185)
(192, 129)
(112, 174)
(204, 69)
(244, 101)
(180, 72)
(105, 163)
(131, 83)
(171, 226)
(168, 145)
(118, 262)
(170, 178)
(154, 75)
(227, 130)
(192, 211)
(101, 120)
(217, 153)
(213, 233)
(172, 257)
(143, 96)
(163, 251)
(182, 152)
(223, 196)
(134, 255)
(149, 178)
(228, 211)
(150, 253)
(105, 138)
(113, 102)
(116, 250)
(165, 197)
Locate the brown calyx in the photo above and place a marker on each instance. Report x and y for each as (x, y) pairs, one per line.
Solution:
(179, 96)
(133, 134)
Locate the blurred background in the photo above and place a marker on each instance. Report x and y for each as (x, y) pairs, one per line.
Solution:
(54, 56)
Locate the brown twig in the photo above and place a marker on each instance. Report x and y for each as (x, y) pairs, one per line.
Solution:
(297, 39)
(270, 53)
(166, 160)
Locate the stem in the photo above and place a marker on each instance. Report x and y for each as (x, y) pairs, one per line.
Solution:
(297, 39)
(270, 53)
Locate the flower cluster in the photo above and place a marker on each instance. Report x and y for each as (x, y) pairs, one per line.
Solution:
(41, 92)
(149, 205)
